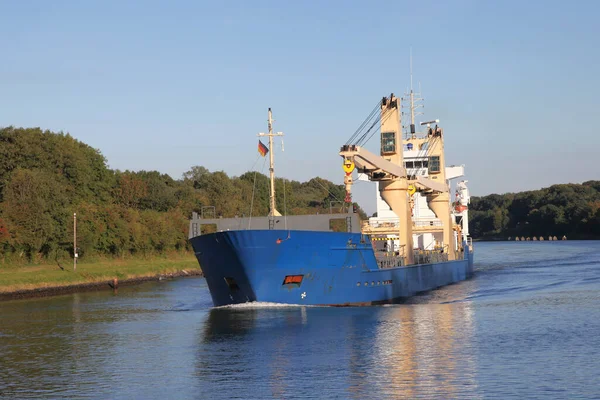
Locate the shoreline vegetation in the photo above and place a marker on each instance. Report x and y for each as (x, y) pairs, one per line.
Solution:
(129, 225)
(133, 226)
(571, 210)
(55, 279)
(51, 183)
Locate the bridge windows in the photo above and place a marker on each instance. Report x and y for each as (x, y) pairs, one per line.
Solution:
(434, 164)
(417, 164)
(388, 142)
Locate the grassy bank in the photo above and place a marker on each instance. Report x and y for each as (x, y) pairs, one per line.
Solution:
(47, 276)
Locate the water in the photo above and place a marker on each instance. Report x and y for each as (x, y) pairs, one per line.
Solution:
(527, 326)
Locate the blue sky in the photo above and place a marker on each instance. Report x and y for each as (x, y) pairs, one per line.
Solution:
(160, 85)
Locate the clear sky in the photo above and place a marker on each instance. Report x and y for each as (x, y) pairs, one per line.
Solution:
(165, 85)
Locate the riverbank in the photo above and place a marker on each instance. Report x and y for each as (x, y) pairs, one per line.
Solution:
(54, 279)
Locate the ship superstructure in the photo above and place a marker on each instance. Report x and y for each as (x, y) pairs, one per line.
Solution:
(415, 218)
(423, 161)
(413, 246)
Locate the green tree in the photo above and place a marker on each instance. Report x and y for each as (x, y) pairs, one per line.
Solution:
(35, 209)
(130, 190)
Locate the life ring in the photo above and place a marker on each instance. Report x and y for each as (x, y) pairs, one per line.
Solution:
(460, 208)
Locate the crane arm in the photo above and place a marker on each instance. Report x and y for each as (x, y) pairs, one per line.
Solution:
(428, 184)
(372, 164)
(378, 168)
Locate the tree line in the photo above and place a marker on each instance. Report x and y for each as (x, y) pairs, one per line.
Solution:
(46, 177)
(572, 210)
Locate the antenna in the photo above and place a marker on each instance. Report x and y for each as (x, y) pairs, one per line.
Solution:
(411, 86)
(428, 123)
(412, 99)
(414, 103)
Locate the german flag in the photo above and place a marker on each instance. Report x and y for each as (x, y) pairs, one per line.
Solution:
(262, 149)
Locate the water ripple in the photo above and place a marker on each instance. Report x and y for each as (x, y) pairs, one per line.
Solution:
(525, 327)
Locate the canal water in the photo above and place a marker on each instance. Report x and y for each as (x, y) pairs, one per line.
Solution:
(526, 326)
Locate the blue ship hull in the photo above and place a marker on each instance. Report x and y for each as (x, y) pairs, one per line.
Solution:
(312, 268)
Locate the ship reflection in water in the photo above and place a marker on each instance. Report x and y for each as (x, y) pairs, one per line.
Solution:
(402, 351)
(421, 350)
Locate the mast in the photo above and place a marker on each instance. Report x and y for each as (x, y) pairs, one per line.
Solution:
(412, 95)
(272, 210)
(414, 103)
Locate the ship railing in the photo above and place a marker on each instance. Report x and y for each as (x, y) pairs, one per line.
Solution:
(341, 209)
(382, 223)
(430, 256)
(208, 212)
(395, 223)
(390, 260)
(427, 222)
(393, 259)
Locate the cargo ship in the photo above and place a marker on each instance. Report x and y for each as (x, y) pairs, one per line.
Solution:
(419, 240)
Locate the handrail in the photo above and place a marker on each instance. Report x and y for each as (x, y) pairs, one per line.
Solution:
(428, 222)
(393, 222)
(342, 208)
(211, 208)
